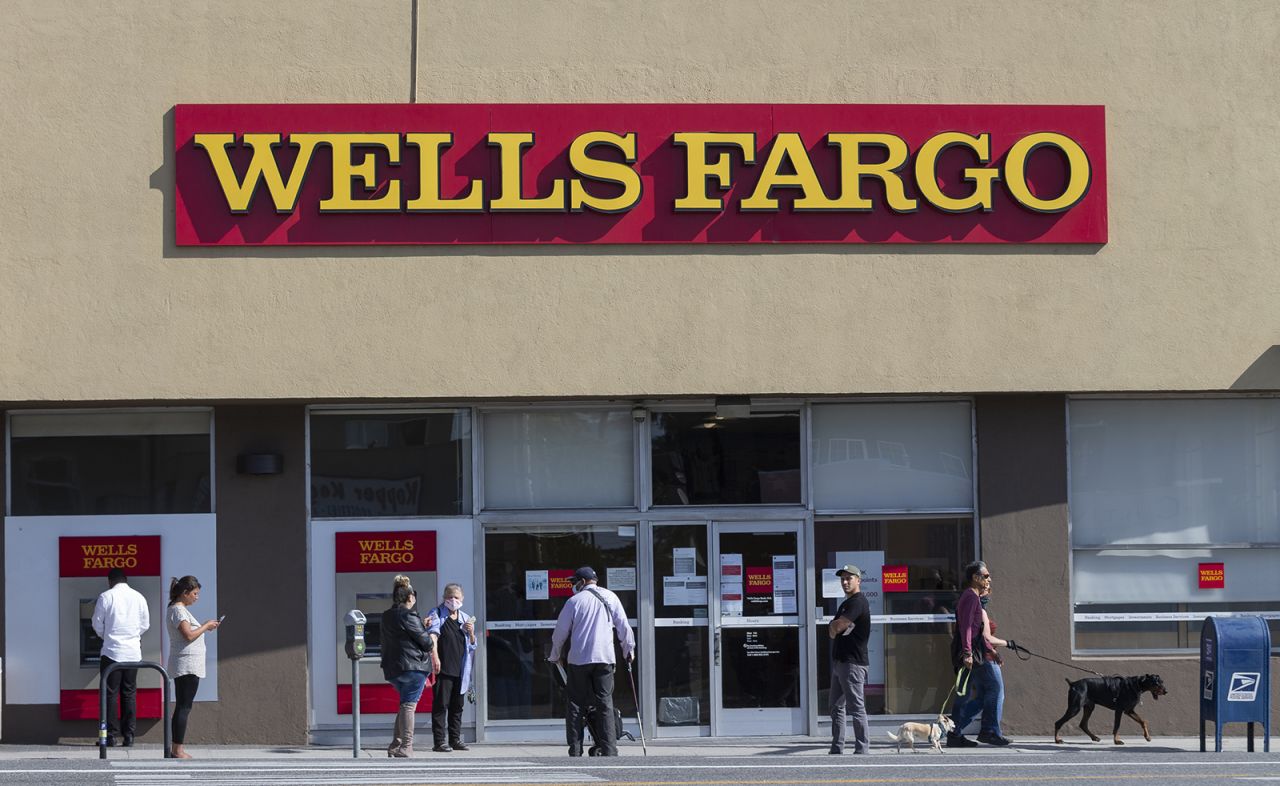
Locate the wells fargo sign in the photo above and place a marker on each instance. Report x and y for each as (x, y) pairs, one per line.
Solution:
(634, 173)
(136, 555)
(392, 552)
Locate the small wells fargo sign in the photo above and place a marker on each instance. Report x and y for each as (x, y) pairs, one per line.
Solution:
(633, 173)
(1213, 575)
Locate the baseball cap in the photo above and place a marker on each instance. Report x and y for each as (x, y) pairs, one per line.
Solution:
(852, 570)
(584, 573)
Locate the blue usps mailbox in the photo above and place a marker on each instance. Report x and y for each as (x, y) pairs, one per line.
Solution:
(1235, 676)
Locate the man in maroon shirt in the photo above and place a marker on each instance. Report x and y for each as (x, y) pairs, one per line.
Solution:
(975, 654)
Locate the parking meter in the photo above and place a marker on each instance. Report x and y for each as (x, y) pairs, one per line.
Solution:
(355, 621)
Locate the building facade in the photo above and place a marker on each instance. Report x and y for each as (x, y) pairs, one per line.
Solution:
(713, 421)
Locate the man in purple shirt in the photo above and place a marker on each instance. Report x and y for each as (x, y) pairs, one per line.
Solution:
(587, 624)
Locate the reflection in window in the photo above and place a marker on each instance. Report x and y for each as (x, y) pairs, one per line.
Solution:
(559, 459)
(521, 683)
(110, 464)
(911, 662)
(390, 465)
(699, 459)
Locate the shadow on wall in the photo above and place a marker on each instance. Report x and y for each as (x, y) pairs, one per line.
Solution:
(1263, 374)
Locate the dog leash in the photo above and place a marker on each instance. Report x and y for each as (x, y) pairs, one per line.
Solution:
(1018, 649)
(960, 688)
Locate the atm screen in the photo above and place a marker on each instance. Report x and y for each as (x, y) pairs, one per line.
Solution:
(90, 642)
(373, 604)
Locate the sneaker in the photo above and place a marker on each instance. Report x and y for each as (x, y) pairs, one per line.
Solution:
(127, 743)
(960, 741)
(836, 751)
(459, 746)
(442, 749)
(991, 738)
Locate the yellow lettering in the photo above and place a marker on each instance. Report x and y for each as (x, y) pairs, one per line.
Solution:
(432, 147)
(853, 170)
(981, 177)
(788, 147)
(1078, 172)
(604, 172)
(699, 170)
(346, 171)
(262, 167)
(511, 148)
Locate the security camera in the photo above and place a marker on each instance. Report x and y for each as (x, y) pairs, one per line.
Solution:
(639, 414)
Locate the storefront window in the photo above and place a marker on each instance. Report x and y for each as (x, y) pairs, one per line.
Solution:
(923, 560)
(559, 459)
(892, 456)
(701, 459)
(527, 581)
(110, 463)
(381, 464)
(1175, 514)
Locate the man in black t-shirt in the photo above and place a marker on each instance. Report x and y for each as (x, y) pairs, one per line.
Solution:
(849, 632)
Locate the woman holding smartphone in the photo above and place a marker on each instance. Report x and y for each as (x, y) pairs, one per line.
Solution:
(186, 654)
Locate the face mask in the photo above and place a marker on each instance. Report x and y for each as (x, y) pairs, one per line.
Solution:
(578, 587)
(452, 604)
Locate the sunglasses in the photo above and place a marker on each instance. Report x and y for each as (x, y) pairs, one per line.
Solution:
(984, 575)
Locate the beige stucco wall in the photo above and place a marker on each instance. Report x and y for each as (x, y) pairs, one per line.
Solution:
(99, 305)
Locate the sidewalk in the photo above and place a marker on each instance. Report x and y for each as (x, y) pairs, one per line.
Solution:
(678, 749)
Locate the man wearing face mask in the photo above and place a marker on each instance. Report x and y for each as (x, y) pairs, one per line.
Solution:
(587, 624)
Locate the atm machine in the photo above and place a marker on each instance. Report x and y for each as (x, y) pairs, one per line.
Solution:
(83, 564)
(366, 566)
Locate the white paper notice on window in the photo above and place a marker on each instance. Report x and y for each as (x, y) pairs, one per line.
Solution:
(536, 585)
(684, 561)
(695, 588)
(831, 584)
(620, 579)
(784, 572)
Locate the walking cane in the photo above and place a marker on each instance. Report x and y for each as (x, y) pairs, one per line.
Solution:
(639, 720)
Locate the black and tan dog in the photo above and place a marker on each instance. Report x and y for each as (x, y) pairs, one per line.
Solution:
(1122, 694)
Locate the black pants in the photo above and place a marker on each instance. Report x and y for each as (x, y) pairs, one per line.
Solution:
(591, 701)
(184, 689)
(125, 683)
(446, 703)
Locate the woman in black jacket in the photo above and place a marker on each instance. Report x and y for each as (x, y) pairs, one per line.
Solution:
(406, 661)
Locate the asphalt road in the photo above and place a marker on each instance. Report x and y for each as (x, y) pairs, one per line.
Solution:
(921, 768)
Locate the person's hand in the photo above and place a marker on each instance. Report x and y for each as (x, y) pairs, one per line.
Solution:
(212, 625)
(1011, 644)
(968, 661)
(435, 663)
(469, 627)
(630, 656)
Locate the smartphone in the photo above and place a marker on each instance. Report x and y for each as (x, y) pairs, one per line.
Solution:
(220, 619)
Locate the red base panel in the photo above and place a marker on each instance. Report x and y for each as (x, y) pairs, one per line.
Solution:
(83, 704)
(378, 698)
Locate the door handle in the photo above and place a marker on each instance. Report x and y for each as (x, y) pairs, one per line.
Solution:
(717, 646)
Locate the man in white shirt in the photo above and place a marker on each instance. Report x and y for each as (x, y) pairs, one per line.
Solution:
(586, 625)
(121, 617)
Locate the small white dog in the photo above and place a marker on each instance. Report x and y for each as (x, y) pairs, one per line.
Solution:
(933, 732)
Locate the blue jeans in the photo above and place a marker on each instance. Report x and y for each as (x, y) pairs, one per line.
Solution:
(409, 685)
(986, 696)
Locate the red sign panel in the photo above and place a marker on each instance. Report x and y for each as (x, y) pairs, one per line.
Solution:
(136, 555)
(559, 583)
(893, 578)
(332, 174)
(384, 552)
(759, 581)
(1213, 575)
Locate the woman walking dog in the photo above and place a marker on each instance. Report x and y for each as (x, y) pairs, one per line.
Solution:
(977, 652)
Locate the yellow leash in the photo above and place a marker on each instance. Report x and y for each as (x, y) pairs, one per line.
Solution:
(960, 688)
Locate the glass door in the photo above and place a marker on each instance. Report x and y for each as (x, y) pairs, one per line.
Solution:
(757, 647)
(682, 629)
